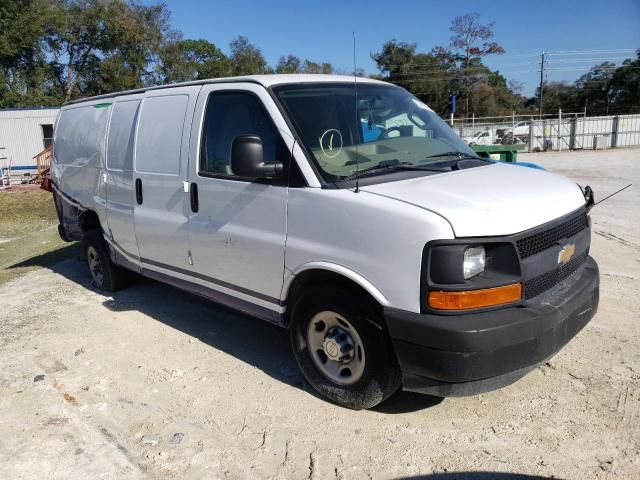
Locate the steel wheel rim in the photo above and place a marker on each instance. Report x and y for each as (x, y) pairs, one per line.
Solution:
(95, 266)
(336, 348)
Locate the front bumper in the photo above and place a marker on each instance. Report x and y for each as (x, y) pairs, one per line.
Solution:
(478, 352)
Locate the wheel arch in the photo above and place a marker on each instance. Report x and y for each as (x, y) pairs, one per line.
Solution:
(74, 219)
(89, 220)
(314, 274)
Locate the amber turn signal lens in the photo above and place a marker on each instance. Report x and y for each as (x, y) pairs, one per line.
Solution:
(466, 300)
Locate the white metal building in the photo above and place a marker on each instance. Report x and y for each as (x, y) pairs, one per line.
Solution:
(23, 134)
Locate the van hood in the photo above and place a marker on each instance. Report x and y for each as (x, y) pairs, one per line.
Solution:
(492, 200)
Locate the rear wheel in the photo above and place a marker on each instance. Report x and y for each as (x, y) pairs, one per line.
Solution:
(342, 348)
(105, 274)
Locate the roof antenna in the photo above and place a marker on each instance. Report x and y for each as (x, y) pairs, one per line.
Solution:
(355, 88)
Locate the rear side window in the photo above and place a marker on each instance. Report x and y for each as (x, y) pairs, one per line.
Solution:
(80, 135)
(229, 115)
(160, 134)
(121, 135)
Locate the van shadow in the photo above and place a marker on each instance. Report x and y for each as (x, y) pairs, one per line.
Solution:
(253, 341)
(50, 259)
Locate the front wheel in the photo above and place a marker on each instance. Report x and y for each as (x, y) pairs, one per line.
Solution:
(342, 348)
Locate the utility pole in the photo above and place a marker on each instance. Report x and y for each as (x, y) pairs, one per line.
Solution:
(541, 80)
(453, 107)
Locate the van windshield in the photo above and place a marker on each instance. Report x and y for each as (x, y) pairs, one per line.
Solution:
(390, 128)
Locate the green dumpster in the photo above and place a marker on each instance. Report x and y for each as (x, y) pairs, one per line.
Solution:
(505, 153)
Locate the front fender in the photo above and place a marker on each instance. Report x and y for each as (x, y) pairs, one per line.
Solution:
(335, 268)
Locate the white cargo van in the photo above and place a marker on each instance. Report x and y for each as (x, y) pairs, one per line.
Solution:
(347, 212)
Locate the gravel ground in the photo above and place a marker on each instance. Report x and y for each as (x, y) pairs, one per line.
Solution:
(155, 383)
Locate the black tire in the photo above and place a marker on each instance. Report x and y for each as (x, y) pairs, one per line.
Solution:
(112, 276)
(381, 375)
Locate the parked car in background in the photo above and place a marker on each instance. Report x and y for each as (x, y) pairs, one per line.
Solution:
(483, 137)
(519, 133)
(467, 138)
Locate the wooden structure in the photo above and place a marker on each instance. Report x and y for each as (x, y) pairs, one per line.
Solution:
(43, 161)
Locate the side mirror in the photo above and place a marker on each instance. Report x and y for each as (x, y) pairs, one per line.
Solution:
(247, 159)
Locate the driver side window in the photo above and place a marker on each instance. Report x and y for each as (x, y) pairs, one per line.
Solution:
(227, 116)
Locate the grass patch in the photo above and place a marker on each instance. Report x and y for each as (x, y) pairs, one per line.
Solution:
(28, 233)
(25, 211)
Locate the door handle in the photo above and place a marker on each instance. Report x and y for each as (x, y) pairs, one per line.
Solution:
(193, 196)
(139, 191)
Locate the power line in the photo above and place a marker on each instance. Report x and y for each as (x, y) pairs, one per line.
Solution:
(611, 68)
(508, 55)
(454, 73)
(614, 59)
(483, 69)
(549, 63)
(586, 60)
(587, 52)
(428, 65)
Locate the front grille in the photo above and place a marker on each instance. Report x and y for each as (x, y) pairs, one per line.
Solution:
(542, 283)
(540, 241)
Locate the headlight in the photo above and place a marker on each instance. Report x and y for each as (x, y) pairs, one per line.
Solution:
(474, 261)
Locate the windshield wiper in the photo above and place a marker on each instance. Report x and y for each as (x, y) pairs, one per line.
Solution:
(384, 165)
(456, 154)
(390, 165)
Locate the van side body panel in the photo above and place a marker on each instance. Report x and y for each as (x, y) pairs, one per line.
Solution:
(237, 235)
(120, 202)
(79, 149)
(160, 166)
(363, 234)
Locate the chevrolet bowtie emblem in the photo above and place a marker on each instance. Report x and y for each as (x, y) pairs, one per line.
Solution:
(566, 253)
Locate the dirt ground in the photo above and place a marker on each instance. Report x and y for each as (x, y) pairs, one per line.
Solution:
(155, 383)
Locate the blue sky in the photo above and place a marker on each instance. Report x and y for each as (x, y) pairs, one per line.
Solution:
(322, 30)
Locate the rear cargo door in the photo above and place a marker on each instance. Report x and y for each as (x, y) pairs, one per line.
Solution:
(160, 161)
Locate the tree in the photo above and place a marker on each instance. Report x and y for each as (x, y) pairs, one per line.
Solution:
(434, 76)
(604, 90)
(136, 35)
(293, 64)
(593, 89)
(99, 47)
(625, 87)
(24, 71)
(77, 35)
(246, 58)
(557, 95)
(184, 60)
(467, 33)
(289, 64)
(428, 76)
(313, 67)
(396, 58)
(471, 41)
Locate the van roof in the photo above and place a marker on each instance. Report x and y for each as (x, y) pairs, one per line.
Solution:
(265, 80)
